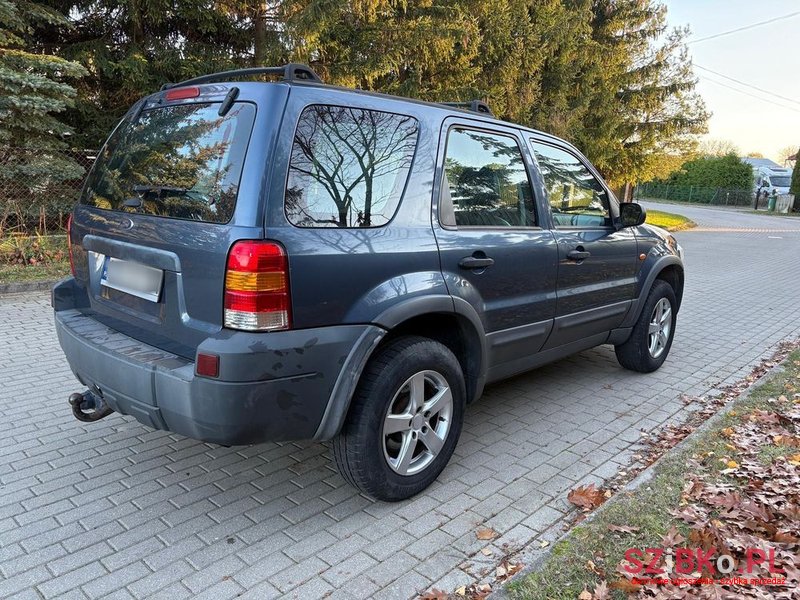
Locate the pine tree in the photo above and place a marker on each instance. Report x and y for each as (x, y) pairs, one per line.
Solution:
(132, 47)
(605, 74)
(642, 101)
(33, 90)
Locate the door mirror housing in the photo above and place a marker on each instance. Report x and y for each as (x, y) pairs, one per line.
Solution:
(631, 214)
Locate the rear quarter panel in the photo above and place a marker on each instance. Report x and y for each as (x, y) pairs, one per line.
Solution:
(342, 275)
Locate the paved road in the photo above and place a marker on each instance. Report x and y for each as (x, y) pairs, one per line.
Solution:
(114, 508)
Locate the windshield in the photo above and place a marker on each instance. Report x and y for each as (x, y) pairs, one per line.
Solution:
(179, 161)
(780, 181)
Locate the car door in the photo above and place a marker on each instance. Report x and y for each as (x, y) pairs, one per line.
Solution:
(597, 261)
(494, 253)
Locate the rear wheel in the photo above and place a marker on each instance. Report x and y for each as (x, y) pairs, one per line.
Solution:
(404, 420)
(651, 339)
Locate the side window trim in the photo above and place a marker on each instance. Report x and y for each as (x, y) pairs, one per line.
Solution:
(445, 208)
(532, 141)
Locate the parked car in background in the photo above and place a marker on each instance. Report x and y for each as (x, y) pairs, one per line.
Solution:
(769, 178)
(289, 260)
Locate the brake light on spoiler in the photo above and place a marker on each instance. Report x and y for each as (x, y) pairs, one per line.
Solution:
(257, 287)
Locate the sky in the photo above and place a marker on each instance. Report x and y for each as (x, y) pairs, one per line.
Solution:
(767, 57)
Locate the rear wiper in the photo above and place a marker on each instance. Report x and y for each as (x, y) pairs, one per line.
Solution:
(162, 190)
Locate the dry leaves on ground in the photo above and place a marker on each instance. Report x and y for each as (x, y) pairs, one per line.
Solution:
(753, 505)
(587, 497)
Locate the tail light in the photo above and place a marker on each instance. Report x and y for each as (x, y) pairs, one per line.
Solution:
(257, 287)
(69, 244)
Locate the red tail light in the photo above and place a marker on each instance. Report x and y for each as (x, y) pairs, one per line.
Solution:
(257, 287)
(69, 244)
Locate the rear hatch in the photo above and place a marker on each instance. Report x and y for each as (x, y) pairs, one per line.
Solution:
(179, 180)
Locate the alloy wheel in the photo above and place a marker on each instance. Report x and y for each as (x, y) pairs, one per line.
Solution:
(417, 422)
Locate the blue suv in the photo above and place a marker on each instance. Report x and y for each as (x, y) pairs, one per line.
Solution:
(283, 260)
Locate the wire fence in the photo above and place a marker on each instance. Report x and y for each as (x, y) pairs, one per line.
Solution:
(36, 205)
(697, 194)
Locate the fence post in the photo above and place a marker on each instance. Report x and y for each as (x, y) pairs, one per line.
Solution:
(690, 193)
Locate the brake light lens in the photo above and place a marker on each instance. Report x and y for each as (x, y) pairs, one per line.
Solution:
(182, 93)
(257, 287)
(69, 244)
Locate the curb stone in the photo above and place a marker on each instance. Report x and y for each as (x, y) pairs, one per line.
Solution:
(534, 557)
(27, 286)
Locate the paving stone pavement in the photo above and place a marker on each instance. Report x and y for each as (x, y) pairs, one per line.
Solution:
(113, 509)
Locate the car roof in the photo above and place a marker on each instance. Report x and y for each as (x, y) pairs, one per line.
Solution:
(439, 106)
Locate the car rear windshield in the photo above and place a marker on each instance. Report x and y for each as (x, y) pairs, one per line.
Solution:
(180, 161)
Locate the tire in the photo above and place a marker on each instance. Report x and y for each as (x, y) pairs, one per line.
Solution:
(398, 465)
(637, 352)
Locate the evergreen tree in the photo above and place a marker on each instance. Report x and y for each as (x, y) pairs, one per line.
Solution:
(132, 47)
(642, 101)
(603, 73)
(795, 186)
(33, 89)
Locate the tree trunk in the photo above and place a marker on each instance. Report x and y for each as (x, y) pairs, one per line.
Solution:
(260, 34)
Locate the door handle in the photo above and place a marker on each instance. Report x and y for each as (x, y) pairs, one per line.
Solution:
(578, 255)
(475, 262)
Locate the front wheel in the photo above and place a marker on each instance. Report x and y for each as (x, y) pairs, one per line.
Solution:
(651, 339)
(404, 420)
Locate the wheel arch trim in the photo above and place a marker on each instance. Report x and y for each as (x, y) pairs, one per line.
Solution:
(339, 402)
(657, 268)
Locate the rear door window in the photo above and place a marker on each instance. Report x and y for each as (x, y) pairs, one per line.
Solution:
(182, 161)
(485, 181)
(577, 198)
(348, 166)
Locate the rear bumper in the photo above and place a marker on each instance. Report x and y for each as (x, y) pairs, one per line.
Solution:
(272, 386)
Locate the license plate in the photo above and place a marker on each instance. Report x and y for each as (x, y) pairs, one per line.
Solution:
(132, 278)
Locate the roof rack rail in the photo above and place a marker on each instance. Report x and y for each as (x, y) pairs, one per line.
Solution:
(290, 72)
(478, 106)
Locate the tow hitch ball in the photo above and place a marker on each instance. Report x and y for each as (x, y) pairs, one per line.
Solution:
(88, 406)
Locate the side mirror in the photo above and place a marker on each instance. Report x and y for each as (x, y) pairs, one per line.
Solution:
(631, 214)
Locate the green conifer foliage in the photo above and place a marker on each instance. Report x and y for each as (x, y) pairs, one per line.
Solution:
(33, 90)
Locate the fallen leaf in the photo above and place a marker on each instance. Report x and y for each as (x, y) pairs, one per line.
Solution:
(479, 591)
(462, 591)
(784, 537)
(485, 533)
(601, 591)
(794, 460)
(506, 569)
(625, 586)
(587, 497)
(732, 464)
(486, 551)
(544, 544)
(585, 595)
(622, 528)
(673, 538)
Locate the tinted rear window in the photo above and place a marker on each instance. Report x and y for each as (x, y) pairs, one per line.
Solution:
(348, 166)
(180, 161)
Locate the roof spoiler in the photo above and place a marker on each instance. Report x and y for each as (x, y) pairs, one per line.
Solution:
(290, 72)
(477, 106)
